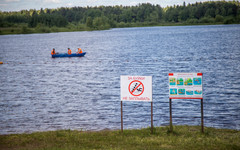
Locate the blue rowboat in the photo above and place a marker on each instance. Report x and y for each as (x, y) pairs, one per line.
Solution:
(67, 55)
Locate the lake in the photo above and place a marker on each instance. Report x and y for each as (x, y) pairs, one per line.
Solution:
(40, 93)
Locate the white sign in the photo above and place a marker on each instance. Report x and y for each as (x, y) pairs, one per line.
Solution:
(136, 88)
(185, 86)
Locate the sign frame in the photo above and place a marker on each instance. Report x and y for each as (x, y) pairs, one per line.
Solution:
(136, 88)
(186, 97)
(185, 85)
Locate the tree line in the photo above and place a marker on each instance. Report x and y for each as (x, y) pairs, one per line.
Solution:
(104, 17)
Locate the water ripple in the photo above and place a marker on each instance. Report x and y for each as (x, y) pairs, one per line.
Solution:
(38, 93)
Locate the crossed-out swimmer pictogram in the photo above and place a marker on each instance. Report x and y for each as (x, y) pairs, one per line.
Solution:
(136, 88)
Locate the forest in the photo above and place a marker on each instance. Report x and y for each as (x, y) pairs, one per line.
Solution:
(106, 17)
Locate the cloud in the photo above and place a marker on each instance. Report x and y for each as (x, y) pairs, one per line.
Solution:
(12, 0)
(134, 3)
(4, 5)
(51, 1)
(70, 4)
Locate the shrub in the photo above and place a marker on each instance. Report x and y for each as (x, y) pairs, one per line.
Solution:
(229, 20)
(43, 29)
(207, 20)
(219, 18)
(25, 30)
(192, 21)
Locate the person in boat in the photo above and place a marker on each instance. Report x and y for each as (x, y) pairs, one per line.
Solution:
(79, 51)
(69, 51)
(53, 51)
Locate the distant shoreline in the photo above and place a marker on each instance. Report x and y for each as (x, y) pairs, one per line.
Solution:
(26, 30)
(66, 19)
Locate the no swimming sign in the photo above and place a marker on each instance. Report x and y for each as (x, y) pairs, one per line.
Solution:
(136, 88)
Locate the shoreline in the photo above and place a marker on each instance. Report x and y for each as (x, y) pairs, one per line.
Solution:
(26, 30)
(182, 137)
(110, 130)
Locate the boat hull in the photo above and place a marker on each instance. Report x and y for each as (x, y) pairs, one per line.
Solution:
(68, 55)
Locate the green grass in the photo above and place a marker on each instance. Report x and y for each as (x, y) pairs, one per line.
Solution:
(183, 137)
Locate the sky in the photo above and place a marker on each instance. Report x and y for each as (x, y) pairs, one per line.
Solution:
(17, 5)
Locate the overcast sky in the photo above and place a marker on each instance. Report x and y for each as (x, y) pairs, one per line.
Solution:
(16, 5)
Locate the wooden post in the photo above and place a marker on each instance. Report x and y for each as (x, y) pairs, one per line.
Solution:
(170, 111)
(121, 118)
(152, 117)
(202, 116)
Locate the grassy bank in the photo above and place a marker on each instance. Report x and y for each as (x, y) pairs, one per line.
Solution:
(183, 137)
(23, 29)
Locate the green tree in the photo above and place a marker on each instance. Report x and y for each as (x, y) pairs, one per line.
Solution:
(104, 17)
(89, 22)
(33, 21)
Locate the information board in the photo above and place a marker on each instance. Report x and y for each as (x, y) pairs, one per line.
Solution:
(136, 88)
(185, 86)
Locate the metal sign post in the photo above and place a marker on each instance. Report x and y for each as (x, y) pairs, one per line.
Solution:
(170, 111)
(202, 116)
(136, 88)
(121, 118)
(152, 117)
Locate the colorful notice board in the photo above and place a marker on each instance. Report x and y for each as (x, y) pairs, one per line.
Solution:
(185, 86)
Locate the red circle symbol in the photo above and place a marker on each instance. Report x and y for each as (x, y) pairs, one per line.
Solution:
(136, 88)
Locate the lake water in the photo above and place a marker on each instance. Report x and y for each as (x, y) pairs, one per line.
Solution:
(39, 93)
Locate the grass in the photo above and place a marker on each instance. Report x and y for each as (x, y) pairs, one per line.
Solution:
(183, 137)
(26, 30)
